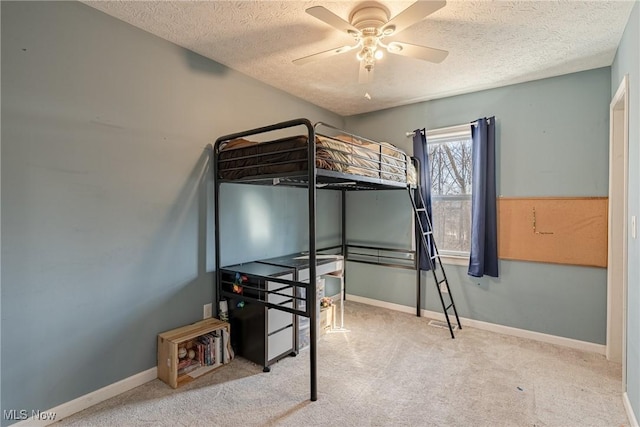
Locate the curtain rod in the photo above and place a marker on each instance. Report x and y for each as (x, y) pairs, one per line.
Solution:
(412, 133)
(488, 119)
(474, 123)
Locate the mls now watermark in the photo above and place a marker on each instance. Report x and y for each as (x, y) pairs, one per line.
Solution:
(23, 414)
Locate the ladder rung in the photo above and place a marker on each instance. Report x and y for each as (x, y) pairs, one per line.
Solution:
(427, 232)
(442, 281)
(421, 210)
(448, 307)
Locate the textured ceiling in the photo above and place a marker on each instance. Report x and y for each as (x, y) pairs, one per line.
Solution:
(490, 44)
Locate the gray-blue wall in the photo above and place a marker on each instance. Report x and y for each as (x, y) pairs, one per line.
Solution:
(627, 61)
(106, 195)
(106, 208)
(551, 140)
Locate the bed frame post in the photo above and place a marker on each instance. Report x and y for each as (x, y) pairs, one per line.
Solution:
(344, 246)
(216, 227)
(313, 321)
(418, 273)
(418, 242)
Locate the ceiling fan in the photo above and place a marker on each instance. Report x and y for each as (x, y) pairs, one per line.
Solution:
(369, 25)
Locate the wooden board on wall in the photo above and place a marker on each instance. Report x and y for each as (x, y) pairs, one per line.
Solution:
(567, 230)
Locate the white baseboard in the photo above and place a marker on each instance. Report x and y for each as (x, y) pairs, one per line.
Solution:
(378, 303)
(506, 330)
(627, 407)
(83, 402)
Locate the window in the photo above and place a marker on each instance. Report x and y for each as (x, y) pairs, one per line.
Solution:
(450, 169)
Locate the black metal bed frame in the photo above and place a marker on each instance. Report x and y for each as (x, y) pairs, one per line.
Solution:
(313, 178)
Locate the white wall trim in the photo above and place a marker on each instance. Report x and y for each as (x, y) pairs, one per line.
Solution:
(500, 329)
(379, 303)
(627, 407)
(83, 402)
(618, 223)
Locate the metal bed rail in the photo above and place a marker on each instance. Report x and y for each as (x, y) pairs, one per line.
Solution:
(389, 160)
(382, 256)
(352, 159)
(254, 289)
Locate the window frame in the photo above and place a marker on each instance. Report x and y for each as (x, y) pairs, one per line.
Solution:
(443, 136)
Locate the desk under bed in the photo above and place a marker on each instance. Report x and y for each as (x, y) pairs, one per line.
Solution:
(263, 332)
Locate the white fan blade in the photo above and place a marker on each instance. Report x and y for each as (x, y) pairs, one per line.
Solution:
(365, 75)
(321, 55)
(332, 19)
(411, 15)
(419, 52)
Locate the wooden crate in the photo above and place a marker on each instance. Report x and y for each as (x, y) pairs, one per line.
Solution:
(169, 342)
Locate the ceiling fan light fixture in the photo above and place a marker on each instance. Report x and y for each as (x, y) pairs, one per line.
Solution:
(388, 30)
(394, 47)
(378, 54)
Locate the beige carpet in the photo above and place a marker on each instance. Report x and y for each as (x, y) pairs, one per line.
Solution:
(390, 369)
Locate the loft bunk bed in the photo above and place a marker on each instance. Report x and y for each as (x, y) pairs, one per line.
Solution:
(319, 157)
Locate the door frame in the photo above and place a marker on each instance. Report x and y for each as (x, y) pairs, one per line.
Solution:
(617, 265)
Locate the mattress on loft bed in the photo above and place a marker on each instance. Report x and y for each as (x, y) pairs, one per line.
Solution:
(243, 158)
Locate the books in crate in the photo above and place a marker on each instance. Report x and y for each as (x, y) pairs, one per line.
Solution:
(202, 354)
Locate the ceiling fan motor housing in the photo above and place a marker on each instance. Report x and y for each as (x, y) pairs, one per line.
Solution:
(369, 18)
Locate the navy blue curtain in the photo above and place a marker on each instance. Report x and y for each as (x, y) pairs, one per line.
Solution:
(483, 259)
(421, 153)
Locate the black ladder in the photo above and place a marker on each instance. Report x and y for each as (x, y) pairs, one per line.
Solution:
(435, 263)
